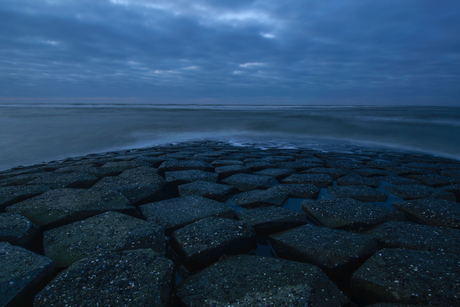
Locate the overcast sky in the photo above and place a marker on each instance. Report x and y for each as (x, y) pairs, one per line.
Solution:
(238, 51)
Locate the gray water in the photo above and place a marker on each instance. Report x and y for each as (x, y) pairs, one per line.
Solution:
(38, 133)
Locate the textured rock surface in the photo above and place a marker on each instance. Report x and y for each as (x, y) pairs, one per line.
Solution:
(349, 214)
(259, 198)
(181, 177)
(411, 277)
(277, 173)
(203, 242)
(18, 230)
(418, 191)
(15, 194)
(63, 206)
(110, 231)
(174, 213)
(182, 165)
(216, 191)
(259, 281)
(130, 278)
(22, 274)
(72, 180)
(247, 182)
(299, 190)
(319, 180)
(358, 192)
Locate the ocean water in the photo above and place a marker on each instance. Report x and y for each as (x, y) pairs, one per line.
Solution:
(37, 133)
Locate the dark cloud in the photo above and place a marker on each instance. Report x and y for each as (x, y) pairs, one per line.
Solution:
(289, 51)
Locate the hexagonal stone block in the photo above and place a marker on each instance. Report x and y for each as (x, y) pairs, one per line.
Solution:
(370, 172)
(259, 198)
(22, 274)
(217, 163)
(72, 180)
(336, 252)
(349, 214)
(228, 170)
(257, 281)
(358, 180)
(110, 231)
(417, 191)
(298, 190)
(298, 165)
(431, 211)
(358, 192)
(18, 230)
(277, 173)
(410, 277)
(14, 194)
(333, 172)
(396, 234)
(178, 212)
(129, 278)
(319, 180)
(272, 219)
(201, 243)
(63, 206)
(397, 180)
(216, 191)
(247, 182)
(138, 185)
(259, 165)
(181, 177)
(182, 165)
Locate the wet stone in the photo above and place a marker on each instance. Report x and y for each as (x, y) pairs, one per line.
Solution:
(360, 192)
(259, 165)
(18, 230)
(228, 170)
(319, 180)
(125, 165)
(396, 234)
(216, 191)
(333, 172)
(272, 219)
(20, 179)
(74, 168)
(298, 165)
(277, 173)
(454, 189)
(201, 243)
(259, 281)
(308, 191)
(217, 163)
(259, 198)
(63, 206)
(370, 172)
(178, 212)
(129, 278)
(181, 177)
(182, 165)
(349, 214)
(404, 170)
(14, 194)
(338, 253)
(434, 180)
(345, 164)
(72, 180)
(417, 191)
(431, 211)
(358, 180)
(138, 185)
(247, 182)
(410, 277)
(397, 180)
(22, 274)
(110, 231)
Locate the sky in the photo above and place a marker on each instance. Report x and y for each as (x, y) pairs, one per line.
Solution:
(380, 52)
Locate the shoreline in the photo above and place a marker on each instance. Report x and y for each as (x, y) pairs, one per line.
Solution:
(197, 209)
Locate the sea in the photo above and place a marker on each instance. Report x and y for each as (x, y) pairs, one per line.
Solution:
(35, 133)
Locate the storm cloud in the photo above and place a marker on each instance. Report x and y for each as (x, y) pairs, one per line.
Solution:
(283, 52)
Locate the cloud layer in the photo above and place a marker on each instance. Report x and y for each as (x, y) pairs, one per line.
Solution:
(291, 51)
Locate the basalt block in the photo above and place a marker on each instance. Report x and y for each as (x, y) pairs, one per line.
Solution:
(217, 163)
(216, 191)
(272, 219)
(182, 177)
(409, 277)
(333, 172)
(247, 182)
(246, 280)
(182, 165)
(129, 278)
(434, 180)
(370, 172)
(22, 274)
(319, 180)
(178, 212)
(358, 180)
(338, 253)
(396, 234)
(349, 214)
(228, 170)
(298, 165)
(417, 191)
(14, 194)
(259, 198)
(358, 192)
(63, 206)
(72, 180)
(277, 173)
(397, 180)
(308, 191)
(201, 243)
(138, 185)
(110, 231)
(18, 230)
(431, 211)
(259, 165)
